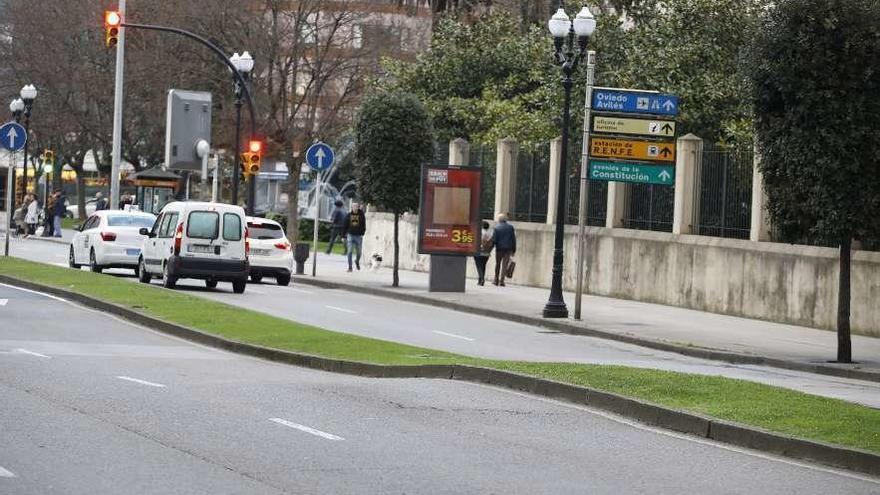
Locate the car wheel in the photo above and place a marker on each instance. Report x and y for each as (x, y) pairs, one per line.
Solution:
(71, 259)
(239, 285)
(168, 280)
(210, 283)
(283, 280)
(93, 263)
(256, 278)
(142, 274)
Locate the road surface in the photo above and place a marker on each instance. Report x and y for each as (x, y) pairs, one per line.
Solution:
(97, 405)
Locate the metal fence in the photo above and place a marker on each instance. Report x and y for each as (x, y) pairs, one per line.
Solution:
(480, 156)
(532, 184)
(649, 207)
(724, 194)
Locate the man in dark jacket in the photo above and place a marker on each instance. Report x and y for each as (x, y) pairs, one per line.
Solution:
(504, 240)
(354, 228)
(337, 224)
(59, 209)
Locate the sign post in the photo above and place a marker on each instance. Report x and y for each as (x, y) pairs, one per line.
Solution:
(319, 157)
(582, 201)
(13, 138)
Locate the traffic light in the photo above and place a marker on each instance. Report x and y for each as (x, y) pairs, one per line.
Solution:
(49, 157)
(112, 22)
(252, 158)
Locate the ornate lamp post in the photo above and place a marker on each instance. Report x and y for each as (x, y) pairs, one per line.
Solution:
(564, 32)
(28, 95)
(243, 63)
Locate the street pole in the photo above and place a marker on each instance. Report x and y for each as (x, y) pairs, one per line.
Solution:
(318, 193)
(585, 165)
(27, 131)
(236, 172)
(251, 194)
(116, 154)
(10, 185)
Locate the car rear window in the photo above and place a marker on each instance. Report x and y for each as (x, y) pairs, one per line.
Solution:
(203, 225)
(129, 221)
(231, 227)
(264, 231)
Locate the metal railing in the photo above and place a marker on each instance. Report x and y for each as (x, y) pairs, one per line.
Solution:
(532, 184)
(724, 192)
(649, 207)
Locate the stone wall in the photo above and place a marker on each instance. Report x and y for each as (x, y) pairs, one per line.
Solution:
(777, 282)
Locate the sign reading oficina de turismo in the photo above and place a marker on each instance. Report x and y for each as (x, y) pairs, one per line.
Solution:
(633, 136)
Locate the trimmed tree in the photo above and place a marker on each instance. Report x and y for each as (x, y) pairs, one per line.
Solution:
(816, 90)
(394, 138)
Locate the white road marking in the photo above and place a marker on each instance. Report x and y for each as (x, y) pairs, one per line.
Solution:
(142, 382)
(32, 353)
(5, 473)
(454, 336)
(311, 431)
(302, 291)
(340, 309)
(50, 296)
(3, 302)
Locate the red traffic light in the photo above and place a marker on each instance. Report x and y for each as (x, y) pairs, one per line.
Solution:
(112, 18)
(255, 146)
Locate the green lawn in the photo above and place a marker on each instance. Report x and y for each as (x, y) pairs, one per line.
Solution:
(69, 223)
(771, 408)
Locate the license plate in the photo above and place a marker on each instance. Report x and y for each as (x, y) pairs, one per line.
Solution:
(132, 252)
(200, 248)
(260, 252)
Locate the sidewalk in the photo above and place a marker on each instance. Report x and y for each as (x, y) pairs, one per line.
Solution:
(694, 333)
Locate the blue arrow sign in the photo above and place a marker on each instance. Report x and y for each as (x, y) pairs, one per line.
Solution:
(625, 101)
(320, 157)
(12, 136)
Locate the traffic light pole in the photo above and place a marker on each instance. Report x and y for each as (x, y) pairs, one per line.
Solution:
(238, 77)
(116, 153)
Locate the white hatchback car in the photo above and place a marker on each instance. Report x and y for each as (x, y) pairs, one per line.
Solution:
(109, 239)
(271, 254)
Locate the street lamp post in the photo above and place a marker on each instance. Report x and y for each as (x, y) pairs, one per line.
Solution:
(28, 95)
(243, 63)
(564, 32)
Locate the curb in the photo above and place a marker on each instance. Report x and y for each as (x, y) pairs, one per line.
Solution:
(562, 326)
(721, 431)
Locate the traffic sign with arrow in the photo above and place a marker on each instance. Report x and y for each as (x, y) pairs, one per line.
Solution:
(13, 136)
(638, 127)
(636, 173)
(631, 101)
(630, 149)
(319, 156)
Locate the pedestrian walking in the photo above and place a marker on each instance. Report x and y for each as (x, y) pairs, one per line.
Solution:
(354, 228)
(58, 212)
(18, 225)
(482, 257)
(48, 215)
(504, 240)
(32, 215)
(126, 199)
(101, 203)
(337, 225)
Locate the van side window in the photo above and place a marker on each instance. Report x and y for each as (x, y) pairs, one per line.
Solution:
(155, 230)
(168, 225)
(203, 225)
(231, 227)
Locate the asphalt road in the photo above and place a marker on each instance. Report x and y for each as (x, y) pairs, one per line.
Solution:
(468, 334)
(98, 405)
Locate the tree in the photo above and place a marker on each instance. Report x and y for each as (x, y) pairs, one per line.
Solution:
(816, 93)
(394, 138)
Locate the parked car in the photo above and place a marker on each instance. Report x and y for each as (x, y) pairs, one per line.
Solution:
(206, 241)
(109, 239)
(270, 252)
(73, 209)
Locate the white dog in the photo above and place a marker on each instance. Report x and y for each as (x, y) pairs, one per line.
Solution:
(375, 261)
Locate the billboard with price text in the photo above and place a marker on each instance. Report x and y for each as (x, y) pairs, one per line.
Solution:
(449, 218)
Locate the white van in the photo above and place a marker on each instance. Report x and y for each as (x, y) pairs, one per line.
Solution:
(205, 241)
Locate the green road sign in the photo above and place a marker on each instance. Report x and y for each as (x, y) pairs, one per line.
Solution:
(639, 127)
(637, 173)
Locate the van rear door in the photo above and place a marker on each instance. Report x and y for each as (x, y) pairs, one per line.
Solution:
(233, 236)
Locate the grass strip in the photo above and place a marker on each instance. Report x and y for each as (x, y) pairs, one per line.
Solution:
(771, 408)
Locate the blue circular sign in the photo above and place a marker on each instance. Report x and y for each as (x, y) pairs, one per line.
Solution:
(12, 136)
(320, 157)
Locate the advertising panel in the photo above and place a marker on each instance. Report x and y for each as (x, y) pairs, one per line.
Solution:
(449, 218)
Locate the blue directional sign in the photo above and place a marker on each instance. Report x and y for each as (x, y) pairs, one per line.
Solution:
(319, 156)
(13, 136)
(627, 101)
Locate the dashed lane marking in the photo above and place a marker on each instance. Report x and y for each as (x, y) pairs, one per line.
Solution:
(306, 429)
(335, 308)
(438, 332)
(32, 353)
(142, 382)
(5, 473)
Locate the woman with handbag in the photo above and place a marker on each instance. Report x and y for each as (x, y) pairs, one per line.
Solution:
(481, 258)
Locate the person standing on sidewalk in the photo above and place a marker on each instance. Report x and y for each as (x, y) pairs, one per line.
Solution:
(32, 215)
(58, 212)
(100, 202)
(48, 215)
(354, 228)
(504, 240)
(337, 225)
(482, 257)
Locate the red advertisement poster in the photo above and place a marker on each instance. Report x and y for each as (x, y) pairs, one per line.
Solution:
(449, 219)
